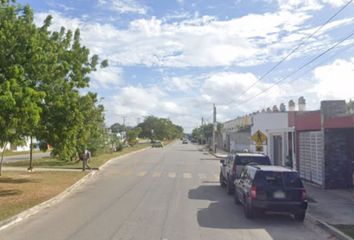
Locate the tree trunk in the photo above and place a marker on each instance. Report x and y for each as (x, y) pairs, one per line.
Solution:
(31, 154)
(2, 158)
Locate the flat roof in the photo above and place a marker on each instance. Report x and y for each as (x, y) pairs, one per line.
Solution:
(250, 154)
(273, 168)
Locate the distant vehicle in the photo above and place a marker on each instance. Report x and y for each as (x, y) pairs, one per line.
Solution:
(193, 141)
(232, 166)
(270, 188)
(157, 144)
(185, 141)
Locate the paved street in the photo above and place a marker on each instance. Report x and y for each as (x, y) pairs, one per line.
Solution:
(170, 193)
(26, 157)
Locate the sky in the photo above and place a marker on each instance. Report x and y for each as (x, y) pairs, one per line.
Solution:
(175, 58)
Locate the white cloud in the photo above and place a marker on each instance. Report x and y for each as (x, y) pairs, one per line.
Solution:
(197, 42)
(124, 6)
(181, 83)
(335, 80)
(107, 77)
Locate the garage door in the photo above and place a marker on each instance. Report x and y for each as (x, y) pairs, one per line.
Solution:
(311, 156)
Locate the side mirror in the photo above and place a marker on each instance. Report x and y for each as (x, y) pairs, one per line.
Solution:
(222, 161)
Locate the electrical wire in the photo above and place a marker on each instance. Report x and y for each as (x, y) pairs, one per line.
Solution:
(301, 67)
(303, 41)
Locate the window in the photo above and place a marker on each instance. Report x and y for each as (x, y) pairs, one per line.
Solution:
(244, 160)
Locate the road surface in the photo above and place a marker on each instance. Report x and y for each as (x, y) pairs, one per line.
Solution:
(26, 157)
(159, 194)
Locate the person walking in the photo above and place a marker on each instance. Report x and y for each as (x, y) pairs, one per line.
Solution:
(85, 157)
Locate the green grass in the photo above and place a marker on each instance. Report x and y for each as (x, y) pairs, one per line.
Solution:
(22, 190)
(95, 162)
(347, 229)
(12, 153)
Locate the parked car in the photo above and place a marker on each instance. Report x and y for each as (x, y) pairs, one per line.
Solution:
(157, 144)
(270, 188)
(185, 141)
(232, 166)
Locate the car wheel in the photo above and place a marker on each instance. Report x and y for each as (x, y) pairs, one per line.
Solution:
(248, 211)
(221, 180)
(229, 187)
(236, 199)
(300, 216)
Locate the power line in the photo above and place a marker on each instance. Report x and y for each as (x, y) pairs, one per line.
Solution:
(301, 67)
(294, 50)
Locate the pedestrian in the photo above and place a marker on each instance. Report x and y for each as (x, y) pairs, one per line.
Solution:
(85, 157)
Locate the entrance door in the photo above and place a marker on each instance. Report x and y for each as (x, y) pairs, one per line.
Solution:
(277, 150)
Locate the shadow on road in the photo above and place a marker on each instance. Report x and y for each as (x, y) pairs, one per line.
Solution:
(222, 213)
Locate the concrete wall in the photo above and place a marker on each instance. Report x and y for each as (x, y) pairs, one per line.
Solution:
(339, 158)
(268, 122)
(239, 141)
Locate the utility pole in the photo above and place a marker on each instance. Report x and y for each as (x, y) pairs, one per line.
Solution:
(214, 129)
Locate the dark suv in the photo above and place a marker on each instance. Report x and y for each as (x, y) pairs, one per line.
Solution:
(271, 188)
(232, 166)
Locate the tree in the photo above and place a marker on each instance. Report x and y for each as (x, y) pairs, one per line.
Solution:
(117, 128)
(132, 136)
(41, 75)
(19, 99)
(64, 124)
(159, 128)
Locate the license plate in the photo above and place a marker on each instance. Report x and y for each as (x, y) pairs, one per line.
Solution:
(279, 195)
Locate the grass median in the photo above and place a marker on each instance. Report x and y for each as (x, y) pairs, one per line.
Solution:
(14, 153)
(95, 162)
(21, 190)
(347, 229)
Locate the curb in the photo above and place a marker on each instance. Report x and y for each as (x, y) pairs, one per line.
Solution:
(328, 228)
(56, 199)
(46, 204)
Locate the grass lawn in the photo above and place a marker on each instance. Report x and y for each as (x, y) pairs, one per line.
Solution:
(12, 153)
(21, 190)
(347, 229)
(95, 162)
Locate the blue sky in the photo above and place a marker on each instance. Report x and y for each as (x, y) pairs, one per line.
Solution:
(175, 58)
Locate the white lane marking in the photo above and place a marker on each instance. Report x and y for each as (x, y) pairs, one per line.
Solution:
(156, 174)
(141, 174)
(202, 175)
(187, 175)
(172, 174)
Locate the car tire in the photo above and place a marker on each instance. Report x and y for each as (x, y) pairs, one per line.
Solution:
(248, 211)
(229, 187)
(300, 216)
(222, 180)
(236, 198)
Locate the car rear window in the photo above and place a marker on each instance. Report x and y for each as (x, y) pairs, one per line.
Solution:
(278, 179)
(244, 160)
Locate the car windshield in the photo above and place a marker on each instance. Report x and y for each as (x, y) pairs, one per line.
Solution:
(277, 179)
(260, 160)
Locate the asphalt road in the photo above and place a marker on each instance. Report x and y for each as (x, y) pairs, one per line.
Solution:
(159, 194)
(26, 157)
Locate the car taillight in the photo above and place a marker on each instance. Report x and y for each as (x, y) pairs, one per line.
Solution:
(253, 193)
(303, 195)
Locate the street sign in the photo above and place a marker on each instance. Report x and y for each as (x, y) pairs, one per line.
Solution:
(259, 137)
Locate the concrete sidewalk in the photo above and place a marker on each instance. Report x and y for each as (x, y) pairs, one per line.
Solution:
(220, 153)
(331, 206)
